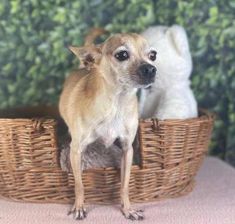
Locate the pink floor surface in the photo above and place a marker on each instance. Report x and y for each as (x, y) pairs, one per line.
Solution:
(211, 202)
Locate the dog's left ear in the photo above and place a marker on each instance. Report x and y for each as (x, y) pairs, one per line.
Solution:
(88, 55)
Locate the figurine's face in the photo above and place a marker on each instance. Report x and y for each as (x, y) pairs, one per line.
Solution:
(174, 57)
(130, 60)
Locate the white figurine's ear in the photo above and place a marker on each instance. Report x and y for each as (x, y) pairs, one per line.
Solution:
(179, 39)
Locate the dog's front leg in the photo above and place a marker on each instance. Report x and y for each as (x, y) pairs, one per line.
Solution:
(75, 157)
(126, 164)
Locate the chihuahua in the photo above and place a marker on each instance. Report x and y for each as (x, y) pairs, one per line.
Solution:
(99, 101)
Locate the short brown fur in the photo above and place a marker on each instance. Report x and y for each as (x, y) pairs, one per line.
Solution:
(99, 101)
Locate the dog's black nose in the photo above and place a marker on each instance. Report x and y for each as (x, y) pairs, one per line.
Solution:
(147, 72)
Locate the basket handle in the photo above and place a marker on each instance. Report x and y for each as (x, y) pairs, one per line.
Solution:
(37, 124)
(155, 125)
(208, 113)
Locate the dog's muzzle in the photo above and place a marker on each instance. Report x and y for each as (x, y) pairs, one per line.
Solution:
(147, 73)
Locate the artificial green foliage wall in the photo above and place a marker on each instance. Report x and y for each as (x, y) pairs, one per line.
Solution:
(34, 59)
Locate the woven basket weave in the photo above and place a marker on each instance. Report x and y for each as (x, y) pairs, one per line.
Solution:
(171, 153)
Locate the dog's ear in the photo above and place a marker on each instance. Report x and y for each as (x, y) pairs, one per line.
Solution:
(179, 39)
(88, 55)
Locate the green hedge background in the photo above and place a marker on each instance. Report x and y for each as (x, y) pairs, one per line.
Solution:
(34, 59)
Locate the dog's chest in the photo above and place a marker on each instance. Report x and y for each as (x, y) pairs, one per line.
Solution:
(111, 127)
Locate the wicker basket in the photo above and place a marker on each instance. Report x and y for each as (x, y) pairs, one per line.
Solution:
(171, 154)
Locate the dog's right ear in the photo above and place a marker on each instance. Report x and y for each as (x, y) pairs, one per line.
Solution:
(88, 55)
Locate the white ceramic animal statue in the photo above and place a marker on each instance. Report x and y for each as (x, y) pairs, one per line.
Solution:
(171, 96)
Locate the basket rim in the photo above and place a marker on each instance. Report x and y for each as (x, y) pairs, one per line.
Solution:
(33, 119)
(206, 116)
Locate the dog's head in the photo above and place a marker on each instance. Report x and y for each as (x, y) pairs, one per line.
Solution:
(129, 59)
(124, 59)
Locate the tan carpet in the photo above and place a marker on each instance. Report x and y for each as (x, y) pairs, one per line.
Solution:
(211, 202)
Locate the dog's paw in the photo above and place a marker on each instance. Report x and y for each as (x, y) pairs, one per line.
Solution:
(78, 213)
(133, 214)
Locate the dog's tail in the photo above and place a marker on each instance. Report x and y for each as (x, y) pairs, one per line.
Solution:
(93, 34)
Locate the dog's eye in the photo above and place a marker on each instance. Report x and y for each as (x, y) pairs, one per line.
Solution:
(122, 55)
(152, 55)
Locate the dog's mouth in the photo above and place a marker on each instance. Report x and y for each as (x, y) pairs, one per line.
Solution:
(148, 86)
(135, 81)
(142, 83)
(145, 86)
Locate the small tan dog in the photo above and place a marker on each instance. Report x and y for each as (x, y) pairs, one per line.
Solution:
(99, 102)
